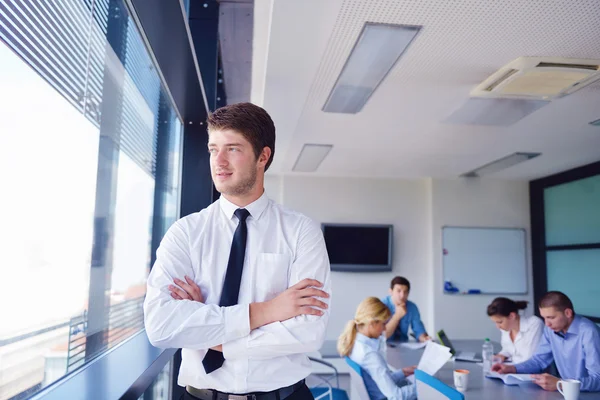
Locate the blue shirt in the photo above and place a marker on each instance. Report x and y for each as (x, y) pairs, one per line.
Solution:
(380, 381)
(412, 319)
(577, 354)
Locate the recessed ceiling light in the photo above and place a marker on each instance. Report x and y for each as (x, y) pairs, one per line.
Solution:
(376, 51)
(501, 164)
(311, 156)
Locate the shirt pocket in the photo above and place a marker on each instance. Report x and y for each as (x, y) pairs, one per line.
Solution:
(272, 275)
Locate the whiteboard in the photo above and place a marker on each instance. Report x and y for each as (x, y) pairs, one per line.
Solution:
(491, 260)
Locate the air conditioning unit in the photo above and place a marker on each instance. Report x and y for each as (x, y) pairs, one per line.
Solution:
(539, 78)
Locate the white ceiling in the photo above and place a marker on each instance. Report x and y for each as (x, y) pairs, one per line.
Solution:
(400, 133)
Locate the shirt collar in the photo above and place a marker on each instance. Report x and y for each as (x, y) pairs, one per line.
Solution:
(574, 327)
(525, 324)
(371, 342)
(256, 208)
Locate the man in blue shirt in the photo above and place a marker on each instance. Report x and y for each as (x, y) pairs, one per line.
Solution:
(571, 341)
(405, 314)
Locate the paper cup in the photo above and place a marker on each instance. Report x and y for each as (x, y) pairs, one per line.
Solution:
(461, 379)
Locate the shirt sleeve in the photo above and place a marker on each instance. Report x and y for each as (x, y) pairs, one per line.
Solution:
(386, 380)
(189, 324)
(398, 375)
(415, 321)
(388, 302)
(591, 351)
(304, 333)
(540, 360)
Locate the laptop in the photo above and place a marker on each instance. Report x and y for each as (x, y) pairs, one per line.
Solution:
(470, 356)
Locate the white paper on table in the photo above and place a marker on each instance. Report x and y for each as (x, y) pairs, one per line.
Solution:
(434, 357)
(413, 345)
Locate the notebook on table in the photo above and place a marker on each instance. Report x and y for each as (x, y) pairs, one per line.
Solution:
(510, 379)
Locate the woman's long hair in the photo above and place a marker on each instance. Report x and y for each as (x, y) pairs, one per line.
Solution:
(370, 309)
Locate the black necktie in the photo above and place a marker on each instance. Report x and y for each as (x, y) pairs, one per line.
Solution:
(213, 360)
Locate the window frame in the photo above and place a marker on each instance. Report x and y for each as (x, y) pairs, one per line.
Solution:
(538, 226)
(130, 367)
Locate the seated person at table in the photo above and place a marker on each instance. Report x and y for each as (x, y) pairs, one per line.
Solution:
(362, 341)
(571, 341)
(405, 314)
(520, 334)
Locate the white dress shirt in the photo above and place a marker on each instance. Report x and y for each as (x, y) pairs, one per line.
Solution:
(526, 341)
(283, 247)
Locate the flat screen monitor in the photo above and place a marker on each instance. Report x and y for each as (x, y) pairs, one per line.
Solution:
(359, 247)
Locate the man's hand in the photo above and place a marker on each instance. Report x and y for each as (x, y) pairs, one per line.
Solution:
(300, 299)
(187, 290)
(408, 371)
(400, 310)
(504, 369)
(392, 324)
(545, 381)
(424, 337)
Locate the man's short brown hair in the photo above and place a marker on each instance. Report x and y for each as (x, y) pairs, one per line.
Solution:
(400, 280)
(251, 121)
(556, 299)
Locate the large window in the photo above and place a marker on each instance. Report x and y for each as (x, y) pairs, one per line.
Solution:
(90, 151)
(566, 235)
(161, 387)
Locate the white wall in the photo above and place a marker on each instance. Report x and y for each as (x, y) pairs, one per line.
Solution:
(274, 187)
(342, 200)
(418, 210)
(483, 203)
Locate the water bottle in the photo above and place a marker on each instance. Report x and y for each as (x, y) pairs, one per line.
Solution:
(487, 354)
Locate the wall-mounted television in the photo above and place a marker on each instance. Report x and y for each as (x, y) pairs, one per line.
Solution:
(359, 247)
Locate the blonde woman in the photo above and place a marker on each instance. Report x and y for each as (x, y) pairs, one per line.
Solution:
(363, 343)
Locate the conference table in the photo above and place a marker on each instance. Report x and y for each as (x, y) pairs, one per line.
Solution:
(479, 387)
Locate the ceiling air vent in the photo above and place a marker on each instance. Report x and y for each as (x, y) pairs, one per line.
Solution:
(539, 78)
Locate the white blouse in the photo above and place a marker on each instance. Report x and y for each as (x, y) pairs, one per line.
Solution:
(526, 341)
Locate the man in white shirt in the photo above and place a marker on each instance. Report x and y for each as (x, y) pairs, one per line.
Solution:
(243, 285)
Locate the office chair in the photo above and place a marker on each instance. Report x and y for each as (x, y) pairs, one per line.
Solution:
(325, 390)
(358, 391)
(431, 388)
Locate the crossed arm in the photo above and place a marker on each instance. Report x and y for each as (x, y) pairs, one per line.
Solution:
(293, 322)
(299, 299)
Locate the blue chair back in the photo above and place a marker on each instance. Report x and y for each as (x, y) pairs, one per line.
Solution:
(358, 390)
(431, 388)
(354, 365)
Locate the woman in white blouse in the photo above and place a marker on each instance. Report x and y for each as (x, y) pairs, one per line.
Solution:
(520, 334)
